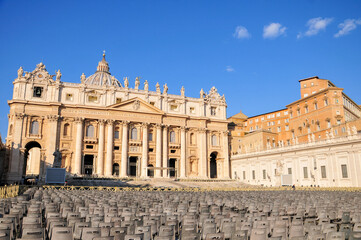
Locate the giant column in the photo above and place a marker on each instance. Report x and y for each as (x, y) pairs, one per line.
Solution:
(78, 145)
(52, 131)
(143, 172)
(109, 159)
(124, 163)
(183, 153)
(16, 144)
(100, 162)
(158, 156)
(226, 155)
(202, 144)
(165, 150)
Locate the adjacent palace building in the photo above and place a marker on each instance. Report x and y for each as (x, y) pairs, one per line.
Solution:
(313, 141)
(103, 127)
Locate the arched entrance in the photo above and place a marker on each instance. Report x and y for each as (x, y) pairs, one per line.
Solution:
(132, 171)
(32, 159)
(150, 171)
(115, 169)
(213, 165)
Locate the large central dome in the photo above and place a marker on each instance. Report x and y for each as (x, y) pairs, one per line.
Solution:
(102, 76)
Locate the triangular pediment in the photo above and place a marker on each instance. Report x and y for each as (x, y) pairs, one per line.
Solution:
(136, 105)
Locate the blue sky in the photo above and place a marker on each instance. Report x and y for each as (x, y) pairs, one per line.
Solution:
(254, 52)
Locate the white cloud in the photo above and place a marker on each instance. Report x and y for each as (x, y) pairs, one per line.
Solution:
(273, 30)
(347, 26)
(229, 69)
(315, 25)
(241, 32)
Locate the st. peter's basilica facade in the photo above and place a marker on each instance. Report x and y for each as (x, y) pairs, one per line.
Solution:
(103, 127)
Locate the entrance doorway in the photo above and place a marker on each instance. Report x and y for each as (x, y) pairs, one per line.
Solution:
(32, 159)
(115, 169)
(88, 164)
(150, 171)
(213, 165)
(172, 164)
(133, 166)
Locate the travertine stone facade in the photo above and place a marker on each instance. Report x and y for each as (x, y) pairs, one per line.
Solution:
(107, 128)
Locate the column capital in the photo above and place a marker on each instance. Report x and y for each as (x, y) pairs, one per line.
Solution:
(110, 121)
(158, 125)
(225, 133)
(78, 119)
(102, 121)
(19, 116)
(52, 118)
(166, 126)
(202, 130)
(184, 128)
(145, 124)
(125, 123)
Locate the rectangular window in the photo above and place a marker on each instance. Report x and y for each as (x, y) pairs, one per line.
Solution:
(172, 151)
(338, 121)
(192, 110)
(287, 127)
(278, 129)
(253, 174)
(150, 137)
(305, 172)
(328, 124)
(116, 134)
(151, 150)
(289, 170)
(318, 127)
(278, 114)
(174, 107)
(118, 100)
(69, 97)
(262, 118)
(256, 120)
(306, 109)
(323, 171)
(264, 174)
(213, 111)
(344, 171)
(152, 103)
(89, 146)
(315, 105)
(326, 102)
(244, 175)
(116, 148)
(92, 99)
(37, 92)
(286, 113)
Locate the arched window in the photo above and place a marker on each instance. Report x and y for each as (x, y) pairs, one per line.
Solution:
(34, 127)
(116, 133)
(11, 129)
(172, 137)
(133, 134)
(214, 140)
(66, 129)
(192, 138)
(90, 131)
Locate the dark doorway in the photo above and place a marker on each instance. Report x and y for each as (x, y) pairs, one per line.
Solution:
(213, 165)
(172, 164)
(88, 164)
(133, 166)
(150, 171)
(32, 159)
(115, 169)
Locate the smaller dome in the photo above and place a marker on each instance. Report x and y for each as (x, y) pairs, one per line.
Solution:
(102, 76)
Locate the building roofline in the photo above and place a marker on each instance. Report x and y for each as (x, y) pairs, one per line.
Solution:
(267, 113)
(313, 95)
(308, 78)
